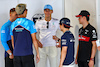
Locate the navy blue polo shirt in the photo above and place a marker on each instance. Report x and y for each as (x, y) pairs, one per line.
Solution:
(21, 30)
(67, 40)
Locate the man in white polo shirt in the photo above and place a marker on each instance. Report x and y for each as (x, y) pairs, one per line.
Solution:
(47, 28)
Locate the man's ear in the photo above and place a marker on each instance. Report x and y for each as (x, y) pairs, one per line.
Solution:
(10, 14)
(63, 25)
(51, 11)
(84, 17)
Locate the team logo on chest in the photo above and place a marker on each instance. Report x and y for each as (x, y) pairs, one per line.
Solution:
(86, 31)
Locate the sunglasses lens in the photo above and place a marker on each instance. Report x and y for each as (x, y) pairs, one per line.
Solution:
(47, 25)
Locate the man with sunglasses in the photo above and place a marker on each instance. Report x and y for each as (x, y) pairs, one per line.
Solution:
(47, 28)
(6, 39)
(87, 41)
(23, 34)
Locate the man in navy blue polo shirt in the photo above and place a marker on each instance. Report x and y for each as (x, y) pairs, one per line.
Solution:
(23, 34)
(67, 44)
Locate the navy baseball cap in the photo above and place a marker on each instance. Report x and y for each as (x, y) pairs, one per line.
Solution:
(65, 21)
(48, 7)
(83, 13)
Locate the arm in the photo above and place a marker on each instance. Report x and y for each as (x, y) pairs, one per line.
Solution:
(99, 48)
(94, 49)
(77, 54)
(63, 55)
(57, 39)
(36, 46)
(39, 44)
(4, 39)
(12, 40)
(4, 42)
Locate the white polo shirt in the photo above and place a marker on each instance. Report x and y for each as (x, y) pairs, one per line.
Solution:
(46, 34)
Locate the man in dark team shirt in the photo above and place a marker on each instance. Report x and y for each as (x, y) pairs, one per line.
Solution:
(67, 44)
(87, 41)
(23, 34)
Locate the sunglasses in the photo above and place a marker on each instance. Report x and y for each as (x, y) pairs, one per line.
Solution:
(47, 25)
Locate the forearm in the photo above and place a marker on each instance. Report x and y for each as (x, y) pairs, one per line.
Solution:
(94, 49)
(9, 51)
(77, 51)
(12, 40)
(5, 45)
(36, 46)
(63, 55)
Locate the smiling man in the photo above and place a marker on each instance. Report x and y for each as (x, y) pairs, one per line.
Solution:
(47, 28)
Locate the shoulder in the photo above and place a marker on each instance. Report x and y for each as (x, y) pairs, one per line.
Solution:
(30, 22)
(91, 27)
(39, 21)
(54, 19)
(5, 25)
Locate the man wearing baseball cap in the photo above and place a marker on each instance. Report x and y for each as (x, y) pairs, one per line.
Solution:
(23, 34)
(87, 41)
(47, 28)
(67, 44)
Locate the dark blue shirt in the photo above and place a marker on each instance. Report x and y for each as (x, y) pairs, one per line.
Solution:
(21, 30)
(67, 40)
(6, 37)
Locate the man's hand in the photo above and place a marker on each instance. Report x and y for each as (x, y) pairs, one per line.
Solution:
(76, 61)
(55, 38)
(11, 56)
(58, 46)
(60, 65)
(39, 44)
(91, 63)
(37, 58)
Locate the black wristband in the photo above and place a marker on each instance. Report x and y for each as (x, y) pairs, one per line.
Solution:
(58, 40)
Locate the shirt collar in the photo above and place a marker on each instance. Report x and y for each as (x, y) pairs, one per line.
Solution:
(86, 26)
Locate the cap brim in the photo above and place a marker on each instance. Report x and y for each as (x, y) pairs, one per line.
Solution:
(68, 26)
(78, 15)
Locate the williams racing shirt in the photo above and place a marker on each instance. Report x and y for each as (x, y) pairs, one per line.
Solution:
(21, 30)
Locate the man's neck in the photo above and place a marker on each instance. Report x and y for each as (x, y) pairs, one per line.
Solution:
(65, 29)
(11, 19)
(47, 19)
(85, 24)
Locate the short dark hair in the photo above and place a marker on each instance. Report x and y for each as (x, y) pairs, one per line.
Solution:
(12, 10)
(87, 18)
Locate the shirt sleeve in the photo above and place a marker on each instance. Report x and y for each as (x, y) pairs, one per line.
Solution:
(4, 39)
(37, 26)
(32, 28)
(11, 33)
(94, 35)
(64, 41)
(58, 25)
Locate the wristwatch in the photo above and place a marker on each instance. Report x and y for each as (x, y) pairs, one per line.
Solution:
(58, 40)
(92, 59)
(10, 53)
